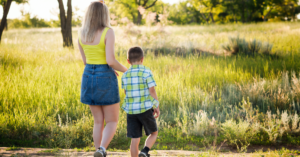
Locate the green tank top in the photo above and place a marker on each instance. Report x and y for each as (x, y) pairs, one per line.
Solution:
(95, 54)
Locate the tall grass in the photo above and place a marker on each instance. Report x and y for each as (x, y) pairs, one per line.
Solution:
(40, 82)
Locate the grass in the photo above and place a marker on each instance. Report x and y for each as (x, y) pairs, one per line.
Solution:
(40, 85)
(48, 152)
(12, 148)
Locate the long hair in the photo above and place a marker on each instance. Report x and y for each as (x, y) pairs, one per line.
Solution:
(96, 18)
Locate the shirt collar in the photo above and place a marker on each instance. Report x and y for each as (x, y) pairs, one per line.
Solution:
(137, 67)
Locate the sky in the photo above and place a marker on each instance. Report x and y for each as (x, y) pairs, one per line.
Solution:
(48, 9)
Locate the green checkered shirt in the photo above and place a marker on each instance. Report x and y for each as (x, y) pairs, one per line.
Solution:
(136, 82)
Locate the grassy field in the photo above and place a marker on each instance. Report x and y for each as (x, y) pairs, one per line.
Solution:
(207, 96)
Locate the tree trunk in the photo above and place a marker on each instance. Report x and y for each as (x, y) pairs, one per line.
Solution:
(3, 7)
(266, 16)
(139, 18)
(66, 23)
(212, 17)
(4, 17)
(203, 16)
(247, 9)
(243, 11)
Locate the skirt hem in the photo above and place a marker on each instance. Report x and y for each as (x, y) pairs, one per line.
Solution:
(100, 104)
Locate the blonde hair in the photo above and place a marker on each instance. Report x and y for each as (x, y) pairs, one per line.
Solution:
(96, 18)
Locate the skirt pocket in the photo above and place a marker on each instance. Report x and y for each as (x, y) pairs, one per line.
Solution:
(103, 83)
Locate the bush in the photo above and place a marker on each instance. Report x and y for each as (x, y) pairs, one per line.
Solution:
(255, 47)
(239, 134)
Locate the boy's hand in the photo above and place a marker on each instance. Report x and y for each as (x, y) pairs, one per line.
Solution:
(157, 112)
(116, 73)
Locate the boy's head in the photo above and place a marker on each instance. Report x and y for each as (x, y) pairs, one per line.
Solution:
(135, 55)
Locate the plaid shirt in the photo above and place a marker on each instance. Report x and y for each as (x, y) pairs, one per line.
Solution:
(136, 82)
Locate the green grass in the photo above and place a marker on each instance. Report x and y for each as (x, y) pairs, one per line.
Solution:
(49, 152)
(40, 83)
(12, 148)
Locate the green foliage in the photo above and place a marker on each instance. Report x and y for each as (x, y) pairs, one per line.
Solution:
(2, 2)
(28, 22)
(239, 134)
(40, 87)
(49, 151)
(12, 148)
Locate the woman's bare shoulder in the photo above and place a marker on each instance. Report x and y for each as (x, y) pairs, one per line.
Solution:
(110, 33)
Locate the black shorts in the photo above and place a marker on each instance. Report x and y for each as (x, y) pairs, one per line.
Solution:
(135, 123)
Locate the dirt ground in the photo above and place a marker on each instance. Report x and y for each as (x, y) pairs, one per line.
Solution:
(35, 152)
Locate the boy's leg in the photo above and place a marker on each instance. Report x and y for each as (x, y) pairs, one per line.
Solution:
(134, 131)
(151, 139)
(151, 130)
(134, 147)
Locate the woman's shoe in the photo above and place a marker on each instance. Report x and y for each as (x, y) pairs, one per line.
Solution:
(100, 153)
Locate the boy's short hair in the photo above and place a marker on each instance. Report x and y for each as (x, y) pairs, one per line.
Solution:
(135, 54)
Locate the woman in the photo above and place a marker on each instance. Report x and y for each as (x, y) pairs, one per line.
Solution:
(99, 88)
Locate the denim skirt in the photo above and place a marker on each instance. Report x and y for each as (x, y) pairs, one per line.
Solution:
(99, 85)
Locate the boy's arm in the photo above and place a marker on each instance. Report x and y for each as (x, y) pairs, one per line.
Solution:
(154, 95)
(125, 91)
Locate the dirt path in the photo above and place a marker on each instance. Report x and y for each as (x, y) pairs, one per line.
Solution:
(34, 152)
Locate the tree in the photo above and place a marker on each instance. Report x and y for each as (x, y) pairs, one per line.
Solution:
(132, 7)
(6, 6)
(207, 8)
(287, 9)
(66, 23)
(185, 13)
(269, 6)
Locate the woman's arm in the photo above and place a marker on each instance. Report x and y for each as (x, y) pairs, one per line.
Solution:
(82, 53)
(110, 52)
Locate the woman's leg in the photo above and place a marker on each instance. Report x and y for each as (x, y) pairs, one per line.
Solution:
(98, 124)
(111, 116)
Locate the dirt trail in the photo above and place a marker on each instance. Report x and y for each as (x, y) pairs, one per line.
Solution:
(37, 152)
(34, 152)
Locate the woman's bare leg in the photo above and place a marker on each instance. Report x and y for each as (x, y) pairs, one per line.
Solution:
(111, 116)
(98, 124)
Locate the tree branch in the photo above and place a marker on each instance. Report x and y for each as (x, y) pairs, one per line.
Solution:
(62, 13)
(145, 3)
(69, 13)
(151, 5)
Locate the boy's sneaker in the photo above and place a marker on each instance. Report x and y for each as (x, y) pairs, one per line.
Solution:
(100, 153)
(142, 154)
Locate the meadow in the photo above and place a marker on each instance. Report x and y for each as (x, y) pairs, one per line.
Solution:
(208, 96)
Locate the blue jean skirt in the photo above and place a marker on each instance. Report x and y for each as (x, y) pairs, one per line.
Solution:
(99, 85)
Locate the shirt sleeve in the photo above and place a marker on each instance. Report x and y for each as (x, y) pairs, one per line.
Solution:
(150, 80)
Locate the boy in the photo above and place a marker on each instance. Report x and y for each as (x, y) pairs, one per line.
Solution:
(139, 102)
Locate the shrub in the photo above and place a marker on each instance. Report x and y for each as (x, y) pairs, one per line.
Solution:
(239, 134)
(238, 45)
